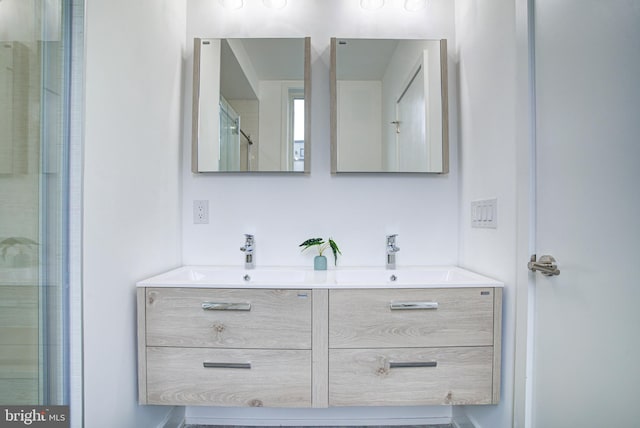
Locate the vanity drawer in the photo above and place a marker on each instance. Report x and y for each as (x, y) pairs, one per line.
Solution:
(409, 377)
(232, 377)
(389, 318)
(228, 318)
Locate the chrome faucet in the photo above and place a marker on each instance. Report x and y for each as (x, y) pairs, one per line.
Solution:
(392, 249)
(248, 249)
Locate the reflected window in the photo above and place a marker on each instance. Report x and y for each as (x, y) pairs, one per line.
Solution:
(296, 132)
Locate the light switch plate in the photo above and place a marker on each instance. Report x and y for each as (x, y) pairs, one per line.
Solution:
(484, 213)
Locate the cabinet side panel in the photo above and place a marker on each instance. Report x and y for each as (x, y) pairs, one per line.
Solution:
(142, 346)
(497, 344)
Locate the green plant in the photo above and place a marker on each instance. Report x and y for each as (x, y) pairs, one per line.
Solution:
(322, 246)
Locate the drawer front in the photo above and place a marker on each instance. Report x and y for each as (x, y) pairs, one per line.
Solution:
(410, 377)
(228, 318)
(228, 377)
(410, 318)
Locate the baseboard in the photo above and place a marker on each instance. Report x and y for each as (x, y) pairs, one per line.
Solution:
(333, 416)
(175, 418)
(317, 422)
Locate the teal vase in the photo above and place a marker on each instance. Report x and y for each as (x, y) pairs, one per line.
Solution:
(320, 263)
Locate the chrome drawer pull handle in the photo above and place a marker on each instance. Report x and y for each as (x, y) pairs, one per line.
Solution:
(226, 365)
(413, 364)
(226, 306)
(398, 306)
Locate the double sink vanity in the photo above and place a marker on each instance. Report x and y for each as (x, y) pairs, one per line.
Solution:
(295, 337)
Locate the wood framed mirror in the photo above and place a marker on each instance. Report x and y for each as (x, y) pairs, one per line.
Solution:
(251, 105)
(389, 106)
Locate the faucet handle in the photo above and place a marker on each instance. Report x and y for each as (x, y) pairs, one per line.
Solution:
(248, 249)
(248, 244)
(392, 249)
(391, 244)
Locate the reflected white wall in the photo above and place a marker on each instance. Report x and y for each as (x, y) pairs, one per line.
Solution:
(30, 20)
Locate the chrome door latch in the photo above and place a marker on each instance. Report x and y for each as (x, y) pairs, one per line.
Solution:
(546, 265)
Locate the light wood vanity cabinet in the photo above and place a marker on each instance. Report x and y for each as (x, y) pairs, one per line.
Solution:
(414, 346)
(320, 347)
(225, 347)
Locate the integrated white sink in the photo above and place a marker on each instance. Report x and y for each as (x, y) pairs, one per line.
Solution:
(226, 275)
(446, 276)
(299, 277)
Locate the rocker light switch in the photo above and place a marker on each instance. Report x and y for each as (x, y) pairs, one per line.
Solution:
(484, 213)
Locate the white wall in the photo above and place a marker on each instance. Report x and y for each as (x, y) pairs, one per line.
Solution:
(132, 187)
(356, 210)
(486, 47)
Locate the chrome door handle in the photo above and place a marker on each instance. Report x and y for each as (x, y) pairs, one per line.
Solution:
(546, 265)
(225, 306)
(226, 365)
(403, 306)
(393, 365)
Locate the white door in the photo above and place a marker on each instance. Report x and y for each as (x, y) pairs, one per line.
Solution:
(586, 358)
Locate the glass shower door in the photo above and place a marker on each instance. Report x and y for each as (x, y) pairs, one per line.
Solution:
(229, 137)
(34, 67)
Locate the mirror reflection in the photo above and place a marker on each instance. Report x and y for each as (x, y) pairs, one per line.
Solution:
(389, 105)
(250, 110)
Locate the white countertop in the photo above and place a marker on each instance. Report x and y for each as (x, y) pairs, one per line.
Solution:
(291, 277)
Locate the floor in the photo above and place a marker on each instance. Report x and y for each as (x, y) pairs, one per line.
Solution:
(375, 426)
